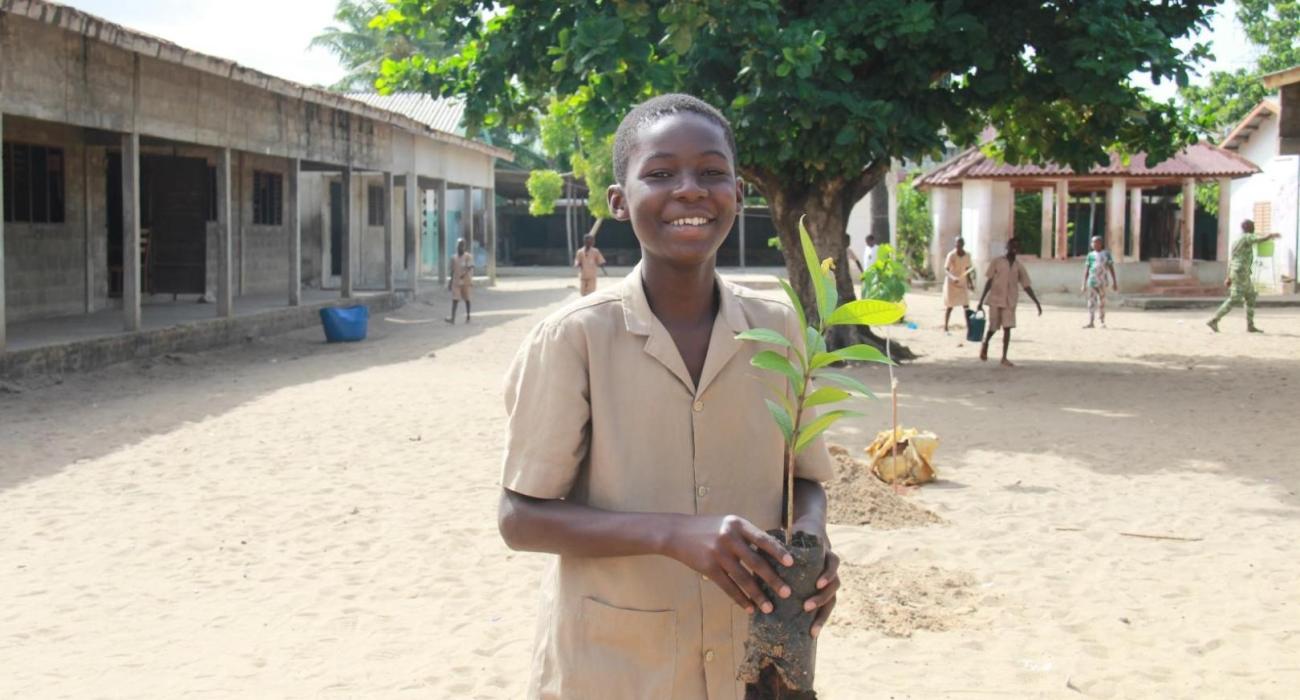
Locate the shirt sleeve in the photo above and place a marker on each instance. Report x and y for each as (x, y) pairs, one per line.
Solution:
(600, 258)
(1024, 276)
(548, 402)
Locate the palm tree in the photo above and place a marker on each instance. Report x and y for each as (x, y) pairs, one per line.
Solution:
(362, 48)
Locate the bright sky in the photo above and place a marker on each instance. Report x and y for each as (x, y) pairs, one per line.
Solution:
(272, 35)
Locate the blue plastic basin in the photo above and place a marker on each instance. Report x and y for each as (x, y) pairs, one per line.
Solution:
(345, 324)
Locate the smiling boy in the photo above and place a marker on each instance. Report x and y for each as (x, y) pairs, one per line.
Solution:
(638, 446)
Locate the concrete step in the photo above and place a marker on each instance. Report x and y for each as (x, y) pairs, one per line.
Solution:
(1189, 290)
(1178, 280)
(1166, 266)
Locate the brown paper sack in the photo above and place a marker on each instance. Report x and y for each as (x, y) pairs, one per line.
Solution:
(912, 465)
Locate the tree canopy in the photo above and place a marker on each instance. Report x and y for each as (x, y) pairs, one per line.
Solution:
(823, 94)
(1274, 28)
(361, 46)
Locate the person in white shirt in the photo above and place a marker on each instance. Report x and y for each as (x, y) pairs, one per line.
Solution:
(869, 254)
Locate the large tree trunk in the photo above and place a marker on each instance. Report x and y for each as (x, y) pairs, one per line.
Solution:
(825, 209)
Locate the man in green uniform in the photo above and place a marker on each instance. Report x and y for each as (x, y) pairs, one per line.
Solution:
(1240, 284)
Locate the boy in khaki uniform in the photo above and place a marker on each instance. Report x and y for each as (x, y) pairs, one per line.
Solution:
(1002, 291)
(462, 279)
(639, 449)
(588, 261)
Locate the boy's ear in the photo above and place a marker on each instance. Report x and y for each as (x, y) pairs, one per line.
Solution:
(740, 192)
(617, 203)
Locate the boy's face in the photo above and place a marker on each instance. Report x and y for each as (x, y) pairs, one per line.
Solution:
(1096, 244)
(681, 193)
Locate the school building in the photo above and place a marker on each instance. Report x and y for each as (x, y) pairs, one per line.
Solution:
(140, 177)
(1163, 243)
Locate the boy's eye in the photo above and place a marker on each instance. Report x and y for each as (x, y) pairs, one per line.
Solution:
(659, 174)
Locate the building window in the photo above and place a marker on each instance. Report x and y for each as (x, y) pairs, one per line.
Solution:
(268, 198)
(375, 205)
(212, 193)
(33, 184)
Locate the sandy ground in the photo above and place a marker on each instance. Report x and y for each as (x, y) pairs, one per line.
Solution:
(287, 519)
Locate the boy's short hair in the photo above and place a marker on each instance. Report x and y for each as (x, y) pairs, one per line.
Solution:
(654, 109)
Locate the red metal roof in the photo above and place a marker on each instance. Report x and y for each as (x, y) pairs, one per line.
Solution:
(1201, 160)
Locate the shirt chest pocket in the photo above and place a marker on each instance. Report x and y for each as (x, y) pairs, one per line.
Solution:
(626, 653)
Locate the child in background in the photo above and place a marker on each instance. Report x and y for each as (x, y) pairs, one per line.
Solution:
(639, 449)
(588, 261)
(462, 278)
(1098, 273)
(1005, 277)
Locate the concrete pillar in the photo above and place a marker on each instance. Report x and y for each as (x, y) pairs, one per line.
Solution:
(87, 238)
(345, 287)
(295, 234)
(490, 221)
(1189, 220)
(390, 283)
(1225, 220)
(742, 234)
(946, 223)
(1062, 219)
(411, 231)
(1115, 218)
(444, 222)
(1045, 225)
(3, 325)
(1135, 221)
(225, 238)
(467, 220)
(131, 231)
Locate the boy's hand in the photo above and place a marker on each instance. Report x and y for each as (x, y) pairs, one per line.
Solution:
(828, 584)
(722, 549)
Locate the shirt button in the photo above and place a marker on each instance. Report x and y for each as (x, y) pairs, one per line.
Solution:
(699, 406)
(708, 655)
(702, 491)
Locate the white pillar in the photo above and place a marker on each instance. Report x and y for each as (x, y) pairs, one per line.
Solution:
(1115, 218)
(1135, 221)
(946, 222)
(225, 238)
(444, 221)
(390, 283)
(742, 233)
(295, 234)
(1225, 219)
(131, 231)
(1189, 220)
(345, 288)
(467, 221)
(1062, 219)
(411, 232)
(87, 237)
(490, 221)
(1045, 226)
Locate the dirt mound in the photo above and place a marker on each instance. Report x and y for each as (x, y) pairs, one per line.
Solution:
(857, 497)
(898, 600)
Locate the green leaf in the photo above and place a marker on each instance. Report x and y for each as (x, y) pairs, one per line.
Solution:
(765, 335)
(822, 359)
(794, 300)
(846, 382)
(825, 395)
(817, 427)
(775, 362)
(867, 312)
(825, 304)
(862, 353)
(782, 419)
(814, 342)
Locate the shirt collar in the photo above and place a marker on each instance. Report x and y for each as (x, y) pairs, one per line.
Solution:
(642, 321)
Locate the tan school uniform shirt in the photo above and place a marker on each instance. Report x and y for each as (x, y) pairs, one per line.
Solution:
(589, 263)
(462, 275)
(602, 411)
(1007, 279)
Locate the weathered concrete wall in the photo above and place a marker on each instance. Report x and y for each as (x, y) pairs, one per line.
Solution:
(61, 76)
(1278, 184)
(311, 191)
(45, 263)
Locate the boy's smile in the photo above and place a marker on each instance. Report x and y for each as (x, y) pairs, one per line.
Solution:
(681, 192)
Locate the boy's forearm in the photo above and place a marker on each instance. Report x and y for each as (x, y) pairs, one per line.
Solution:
(809, 507)
(570, 529)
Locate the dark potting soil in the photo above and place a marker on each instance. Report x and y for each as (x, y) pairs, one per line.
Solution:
(780, 655)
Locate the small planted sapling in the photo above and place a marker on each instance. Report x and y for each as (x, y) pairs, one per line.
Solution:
(780, 654)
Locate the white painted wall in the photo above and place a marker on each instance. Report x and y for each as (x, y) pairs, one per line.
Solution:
(1277, 184)
(986, 211)
(945, 222)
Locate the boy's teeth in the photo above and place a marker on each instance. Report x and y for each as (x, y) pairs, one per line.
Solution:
(694, 221)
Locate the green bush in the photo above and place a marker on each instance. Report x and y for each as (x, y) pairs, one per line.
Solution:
(544, 187)
(914, 229)
(886, 279)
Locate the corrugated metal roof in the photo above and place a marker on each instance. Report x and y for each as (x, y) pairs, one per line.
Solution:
(1201, 160)
(443, 114)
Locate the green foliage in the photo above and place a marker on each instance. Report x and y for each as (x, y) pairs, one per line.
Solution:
(886, 279)
(589, 153)
(914, 229)
(1274, 28)
(801, 363)
(544, 187)
(362, 46)
(1029, 221)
